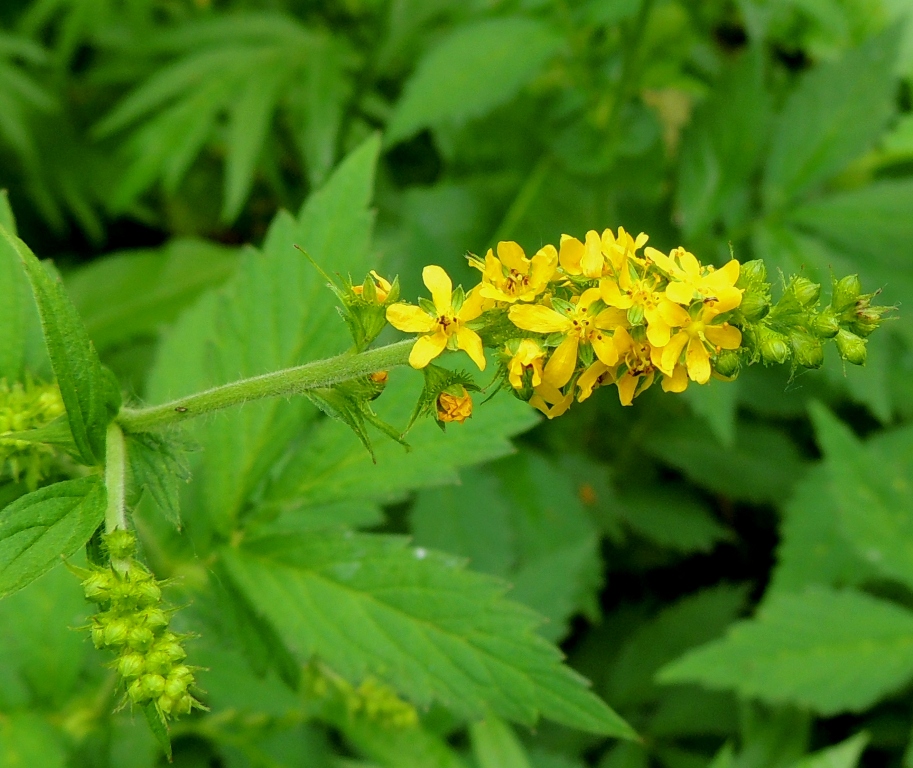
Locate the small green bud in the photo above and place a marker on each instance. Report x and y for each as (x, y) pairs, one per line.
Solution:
(851, 347)
(98, 636)
(147, 593)
(153, 685)
(728, 363)
(826, 324)
(805, 291)
(175, 686)
(774, 346)
(182, 672)
(169, 646)
(158, 662)
(154, 618)
(140, 638)
(136, 693)
(116, 632)
(183, 705)
(97, 587)
(752, 272)
(755, 305)
(846, 292)
(867, 320)
(808, 351)
(165, 704)
(636, 315)
(131, 665)
(120, 544)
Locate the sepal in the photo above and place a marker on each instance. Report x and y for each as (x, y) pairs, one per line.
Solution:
(455, 386)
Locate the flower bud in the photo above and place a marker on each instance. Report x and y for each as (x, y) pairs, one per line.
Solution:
(175, 686)
(454, 407)
(136, 693)
(851, 347)
(116, 632)
(866, 320)
(183, 705)
(728, 363)
(98, 636)
(158, 662)
(147, 593)
(807, 350)
(131, 665)
(755, 305)
(805, 291)
(774, 346)
(165, 704)
(140, 638)
(636, 315)
(172, 649)
(380, 377)
(97, 587)
(752, 272)
(826, 324)
(846, 292)
(120, 544)
(154, 618)
(153, 685)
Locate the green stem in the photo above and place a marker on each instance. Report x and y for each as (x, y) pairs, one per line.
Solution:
(115, 474)
(291, 381)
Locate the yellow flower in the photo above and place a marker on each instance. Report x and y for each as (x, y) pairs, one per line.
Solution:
(382, 287)
(446, 327)
(622, 249)
(579, 325)
(641, 360)
(529, 356)
(641, 293)
(512, 277)
(600, 256)
(596, 375)
(456, 408)
(689, 281)
(696, 337)
(549, 400)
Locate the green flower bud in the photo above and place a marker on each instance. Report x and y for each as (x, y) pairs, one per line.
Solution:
(98, 636)
(97, 587)
(182, 672)
(170, 647)
(153, 685)
(851, 347)
(807, 350)
(140, 638)
(120, 544)
(728, 363)
(175, 687)
(183, 705)
(636, 315)
(116, 632)
(752, 272)
(158, 662)
(846, 292)
(826, 324)
(154, 618)
(805, 291)
(867, 320)
(774, 347)
(755, 305)
(136, 693)
(131, 665)
(147, 593)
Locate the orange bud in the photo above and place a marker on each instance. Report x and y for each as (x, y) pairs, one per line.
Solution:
(379, 377)
(456, 408)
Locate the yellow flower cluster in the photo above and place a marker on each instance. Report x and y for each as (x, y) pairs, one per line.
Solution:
(586, 314)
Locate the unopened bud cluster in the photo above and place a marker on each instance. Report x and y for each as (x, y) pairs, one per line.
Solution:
(24, 407)
(372, 699)
(601, 311)
(795, 329)
(133, 624)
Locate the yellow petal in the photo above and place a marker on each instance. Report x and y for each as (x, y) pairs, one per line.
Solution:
(544, 264)
(471, 344)
(673, 351)
(474, 303)
(689, 262)
(673, 314)
(725, 336)
(588, 297)
(623, 341)
(641, 241)
(560, 366)
(604, 347)
(658, 330)
(727, 275)
(570, 254)
(698, 361)
(677, 382)
(626, 386)
(611, 294)
(726, 299)
(427, 348)
(512, 256)
(437, 281)
(405, 317)
(592, 262)
(682, 293)
(588, 379)
(550, 401)
(538, 319)
(610, 318)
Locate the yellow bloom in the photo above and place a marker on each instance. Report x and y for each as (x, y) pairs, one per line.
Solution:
(641, 293)
(622, 249)
(641, 360)
(596, 375)
(697, 337)
(689, 281)
(456, 408)
(529, 356)
(512, 277)
(601, 255)
(579, 325)
(382, 287)
(445, 328)
(549, 400)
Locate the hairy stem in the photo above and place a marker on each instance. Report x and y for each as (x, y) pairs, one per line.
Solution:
(115, 474)
(291, 381)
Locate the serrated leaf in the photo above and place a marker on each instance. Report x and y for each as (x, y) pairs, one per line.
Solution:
(135, 293)
(158, 467)
(368, 604)
(158, 727)
(826, 650)
(83, 385)
(836, 112)
(722, 144)
(279, 300)
(495, 745)
(844, 755)
(871, 488)
(39, 528)
(504, 53)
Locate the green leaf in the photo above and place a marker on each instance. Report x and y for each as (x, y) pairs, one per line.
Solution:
(844, 755)
(135, 293)
(158, 466)
(368, 604)
(503, 53)
(495, 745)
(826, 650)
(158, 727)
(722, 145)
(28, 740)
(871, 487)
(39, 528)
(523, 521)
(834, 115)
(83, 386)
(389, 747)
(691, 621)
(274, 313)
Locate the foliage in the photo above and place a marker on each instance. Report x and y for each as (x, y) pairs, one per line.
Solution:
(729, 566)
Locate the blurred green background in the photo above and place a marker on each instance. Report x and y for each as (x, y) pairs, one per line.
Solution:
(143, 142)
